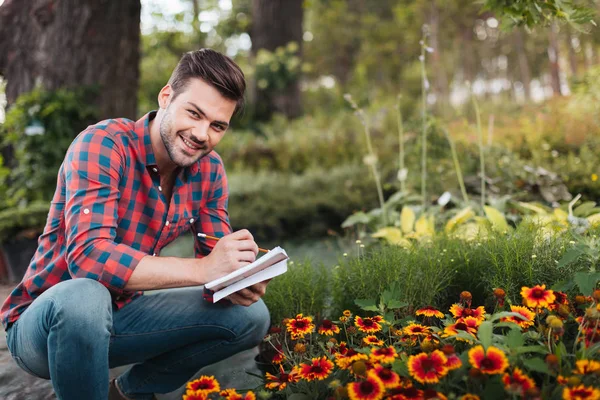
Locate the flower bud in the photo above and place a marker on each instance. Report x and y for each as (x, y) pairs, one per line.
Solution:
(596, 295)
(551, 360)
(556, 324)
(300, 348)
(563, 310)
(475, 373)
(579, 299)
(448, 349)
(359, 368)
(573, 381)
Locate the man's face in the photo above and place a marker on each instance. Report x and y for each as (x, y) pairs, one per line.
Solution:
(194, 122)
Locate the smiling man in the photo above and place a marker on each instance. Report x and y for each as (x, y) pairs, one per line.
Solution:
(125, 190)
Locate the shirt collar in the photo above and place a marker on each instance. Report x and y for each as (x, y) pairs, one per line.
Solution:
(142, 130)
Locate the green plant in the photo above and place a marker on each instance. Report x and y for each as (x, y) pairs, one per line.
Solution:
(40, 126)
(303, 288)
(23, 221)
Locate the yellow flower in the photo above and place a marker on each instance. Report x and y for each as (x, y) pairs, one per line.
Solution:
(594, 177)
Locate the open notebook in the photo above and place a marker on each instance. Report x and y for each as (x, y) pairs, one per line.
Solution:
(270, 265)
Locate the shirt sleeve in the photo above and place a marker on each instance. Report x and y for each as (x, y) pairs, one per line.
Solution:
(92, 171)
(214, 218)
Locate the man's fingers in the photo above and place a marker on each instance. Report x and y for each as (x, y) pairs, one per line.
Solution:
(243, 234)
(246, 256)
(247, 245)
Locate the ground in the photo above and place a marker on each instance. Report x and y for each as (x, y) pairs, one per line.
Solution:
(16, 384)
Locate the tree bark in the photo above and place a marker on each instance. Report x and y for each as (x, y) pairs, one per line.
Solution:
(523, 63)
(70, 43)
(553, 56)
(276, 23)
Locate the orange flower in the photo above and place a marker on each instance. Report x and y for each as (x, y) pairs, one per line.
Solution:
(584, 367)
(428, 368)
(385, 355)
(281, 381)
(517, 382)
(328, 328)
(232, 394)
(369, 324)
(469, 396)
(492, 362)
(537, 296)
(429, 311)
(430, 394)
(453, 362)
(581, 392)
(389, 378)
(459, 311)
(344, 361)
(372, 340)
(406, 393)
(525, 312)
(299, 326)
(370, 389)
(417, 330)
(278, 358)
(199, 395)
(468, 325)
(347, 313)
(319, 369)
(205, 384)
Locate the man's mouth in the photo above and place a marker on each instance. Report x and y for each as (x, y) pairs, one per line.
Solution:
(190, 145)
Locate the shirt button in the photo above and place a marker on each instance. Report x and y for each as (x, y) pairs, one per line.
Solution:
(167, 223)
(154, 255)
(191, 220)
(86, 211)
(155, 169)
(160, 188)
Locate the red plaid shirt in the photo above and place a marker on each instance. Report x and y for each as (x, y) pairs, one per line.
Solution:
(108, 212)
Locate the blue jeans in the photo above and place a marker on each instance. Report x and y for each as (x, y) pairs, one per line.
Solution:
(72, 335)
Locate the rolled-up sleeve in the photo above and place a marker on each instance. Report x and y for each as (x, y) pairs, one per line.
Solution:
(92, 171)
(214, 218)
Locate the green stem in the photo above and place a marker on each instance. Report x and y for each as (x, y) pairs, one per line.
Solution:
(459, 175)
(481, 152)
(424, 128)
(401, 144)
(375, 172)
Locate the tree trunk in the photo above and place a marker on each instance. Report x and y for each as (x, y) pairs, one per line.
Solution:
(523, 63)
(553, 56)
(70, 43)
(572, 53)
(275, 24)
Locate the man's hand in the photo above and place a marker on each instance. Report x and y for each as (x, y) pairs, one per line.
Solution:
(249, 295)
(231, 253)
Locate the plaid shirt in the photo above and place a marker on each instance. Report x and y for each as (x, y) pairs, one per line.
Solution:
(108, 212)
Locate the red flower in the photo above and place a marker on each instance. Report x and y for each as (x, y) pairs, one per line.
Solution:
(517, 382)
(429, 311)
(328, 328)
(280, 382)
(205, 384)
(319, 369)
(417, 330)
(537, 296)
(459, 311)
(370, 389)
(299, 326)
(368, 324)
(232, 394)
(581, 392)
(492, 362)
(527, 314)
(408, 393)
(372, 340)
(428, 368)
(385, 355)
(389, 378)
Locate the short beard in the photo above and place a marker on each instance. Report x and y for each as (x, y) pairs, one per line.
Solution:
(169, 141)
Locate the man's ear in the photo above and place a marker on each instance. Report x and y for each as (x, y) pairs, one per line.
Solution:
(164, 96)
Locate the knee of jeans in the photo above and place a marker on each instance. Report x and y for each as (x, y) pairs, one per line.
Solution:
(84, 302)
(259, 319)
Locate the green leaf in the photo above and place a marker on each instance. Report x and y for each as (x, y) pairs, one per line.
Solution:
(493, 390)
(561, 352)
(395, 304)
(506, 314)
(587, 281)
(571, 255)
(356, 218)
(399, 367)
(563, 286)
(497, 219)
(531, 349)
(536, 364)
(367, 304)
(584, 209)
(515, 338)
(299, 396)
(484, 333)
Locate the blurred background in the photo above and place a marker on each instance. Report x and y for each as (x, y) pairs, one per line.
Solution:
(518, 82)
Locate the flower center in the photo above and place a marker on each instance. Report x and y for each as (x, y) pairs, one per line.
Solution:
(538, 293)
(427, 365)
(368, 322)
(366, 387)
(486, 363)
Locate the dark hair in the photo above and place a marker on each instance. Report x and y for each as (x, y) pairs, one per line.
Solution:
(214, 68)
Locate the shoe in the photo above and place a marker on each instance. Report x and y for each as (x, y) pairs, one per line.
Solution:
(114, 393)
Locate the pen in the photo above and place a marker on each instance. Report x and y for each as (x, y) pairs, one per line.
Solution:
(204, 235)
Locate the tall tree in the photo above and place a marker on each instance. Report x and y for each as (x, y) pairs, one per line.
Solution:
(275, 24)
(69, 43)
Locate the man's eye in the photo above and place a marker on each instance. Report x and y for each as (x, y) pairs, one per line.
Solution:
(194, 113)
(218, 128)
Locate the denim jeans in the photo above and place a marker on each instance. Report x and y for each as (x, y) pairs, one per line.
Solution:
(72, 335)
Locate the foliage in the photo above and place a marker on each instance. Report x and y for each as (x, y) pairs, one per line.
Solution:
(277, 205)
(544, 349)
(303, 287)
(23, 221)
(61, 114)
(541, 12)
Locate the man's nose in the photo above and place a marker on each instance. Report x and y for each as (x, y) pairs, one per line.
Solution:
(200, 132)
